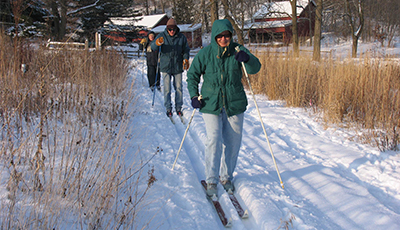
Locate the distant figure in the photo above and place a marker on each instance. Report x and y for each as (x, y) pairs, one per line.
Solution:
(174, 59)
(224, 102)
(152, 60)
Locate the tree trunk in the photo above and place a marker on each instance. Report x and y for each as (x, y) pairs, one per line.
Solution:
(63, 21)
(356, 21)
(295, 35)
(146, 6)
(214, 10)
(163, 6)
(317, 31)
(204, 16)
(354, 46)
(239, 32)
(56, 19)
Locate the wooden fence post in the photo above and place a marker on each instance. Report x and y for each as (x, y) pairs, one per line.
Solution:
(98, 40)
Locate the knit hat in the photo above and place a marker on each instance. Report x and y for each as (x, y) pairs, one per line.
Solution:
(171, 22)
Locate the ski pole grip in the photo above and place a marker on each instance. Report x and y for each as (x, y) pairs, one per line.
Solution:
(237, 48)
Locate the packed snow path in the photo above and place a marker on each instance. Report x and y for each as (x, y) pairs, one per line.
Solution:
(330, 182)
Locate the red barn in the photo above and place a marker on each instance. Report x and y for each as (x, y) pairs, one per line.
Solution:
(133, 29)
(273, 22)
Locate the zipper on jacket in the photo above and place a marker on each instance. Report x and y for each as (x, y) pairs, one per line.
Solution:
(222, 92)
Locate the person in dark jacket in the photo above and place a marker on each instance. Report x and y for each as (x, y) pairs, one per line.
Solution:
(153, 71)
(174, 59)
(223, 101)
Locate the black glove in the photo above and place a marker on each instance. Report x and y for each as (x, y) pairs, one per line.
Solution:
(196, 102)
(242, 56)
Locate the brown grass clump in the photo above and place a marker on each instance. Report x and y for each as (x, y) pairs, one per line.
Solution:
(363, 92)
(63, 125)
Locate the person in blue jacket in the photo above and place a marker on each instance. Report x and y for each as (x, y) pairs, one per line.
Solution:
(174, 59)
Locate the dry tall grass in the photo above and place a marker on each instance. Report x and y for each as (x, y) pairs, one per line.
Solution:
(361, 92)
(62, 140)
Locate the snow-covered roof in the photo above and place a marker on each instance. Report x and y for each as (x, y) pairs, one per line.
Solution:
(267, 24)
(182, 27)
(279, 9)
(147, 21)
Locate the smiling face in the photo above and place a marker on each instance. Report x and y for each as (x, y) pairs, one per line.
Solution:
(223, 39)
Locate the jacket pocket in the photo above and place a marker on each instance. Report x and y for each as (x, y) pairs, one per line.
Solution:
(210, 98)
(237, 100)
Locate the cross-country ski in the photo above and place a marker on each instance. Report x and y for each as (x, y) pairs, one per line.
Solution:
(217, 207)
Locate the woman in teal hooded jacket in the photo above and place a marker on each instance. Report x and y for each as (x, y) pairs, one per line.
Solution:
(223, 101)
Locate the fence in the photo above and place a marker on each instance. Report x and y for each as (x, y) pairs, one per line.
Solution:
(139, 53)
(67, 45)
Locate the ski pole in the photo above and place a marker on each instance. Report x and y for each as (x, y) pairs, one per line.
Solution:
(143, 63)
(184, 136)
(155, 83)
(259, 114)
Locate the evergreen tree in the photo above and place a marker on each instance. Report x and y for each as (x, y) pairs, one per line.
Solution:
(96, 13)
(26, 15)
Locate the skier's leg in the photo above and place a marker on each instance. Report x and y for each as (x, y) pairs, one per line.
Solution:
(178, 91)
(151, 75)
(213, 147)
(232, 138)
(167, 90)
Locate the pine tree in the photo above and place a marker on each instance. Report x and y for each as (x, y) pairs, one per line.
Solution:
(93, 18)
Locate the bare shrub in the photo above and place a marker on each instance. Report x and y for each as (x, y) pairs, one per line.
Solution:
(287, 222)
(363, 92)
(63, 132)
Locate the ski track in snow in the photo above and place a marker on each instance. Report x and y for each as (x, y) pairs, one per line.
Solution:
(329, 181)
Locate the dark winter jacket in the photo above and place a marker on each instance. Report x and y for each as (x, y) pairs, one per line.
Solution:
(174, 50)
(151, 55)
(222, 86)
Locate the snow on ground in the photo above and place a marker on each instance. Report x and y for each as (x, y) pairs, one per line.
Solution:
(330, 182)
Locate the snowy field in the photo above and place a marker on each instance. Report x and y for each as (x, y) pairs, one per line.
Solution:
(330, 182)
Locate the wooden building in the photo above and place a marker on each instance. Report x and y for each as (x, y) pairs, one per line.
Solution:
(273, 22)
(132, 29)
(193, 33)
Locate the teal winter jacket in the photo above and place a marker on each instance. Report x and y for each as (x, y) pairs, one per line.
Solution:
(222, 75)
(174, 50)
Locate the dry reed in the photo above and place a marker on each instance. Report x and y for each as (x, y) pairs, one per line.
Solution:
(362, 92)
(63, 136)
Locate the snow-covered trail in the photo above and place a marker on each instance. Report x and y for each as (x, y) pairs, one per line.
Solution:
(330, 182)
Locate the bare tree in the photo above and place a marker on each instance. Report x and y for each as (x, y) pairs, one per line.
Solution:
(238, 30)
(214, 10)
(383, 21)
(355, 19)
(163, 5)
(317, 31)
(238, 12)
(63, 6)
(204, 16)
(184, 11)
(146, 5)
(391, 20)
